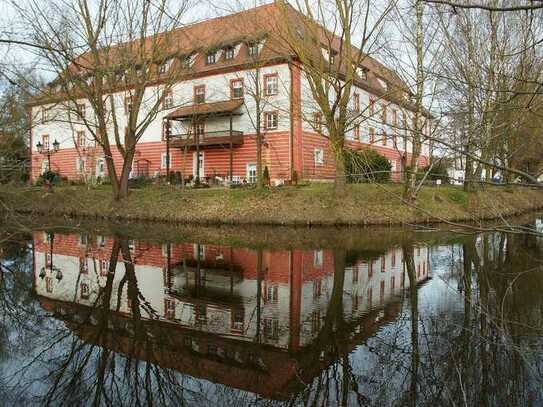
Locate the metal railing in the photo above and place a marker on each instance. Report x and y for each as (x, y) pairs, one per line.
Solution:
(207, 134)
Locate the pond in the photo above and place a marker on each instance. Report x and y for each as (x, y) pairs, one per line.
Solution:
(142, 314)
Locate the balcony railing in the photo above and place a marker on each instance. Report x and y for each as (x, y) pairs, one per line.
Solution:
(209, 138)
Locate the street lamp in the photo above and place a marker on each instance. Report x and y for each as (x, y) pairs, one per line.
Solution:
(48, 151)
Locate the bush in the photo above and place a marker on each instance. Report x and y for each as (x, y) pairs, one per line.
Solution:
(266, 176)
(139, 182)
(49, 176)
(438, 171)
(366, 164)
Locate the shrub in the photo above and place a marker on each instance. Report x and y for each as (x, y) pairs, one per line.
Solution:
(139, 182)
(438, 171)
(266, 176)
(48, 176)
(366, 164)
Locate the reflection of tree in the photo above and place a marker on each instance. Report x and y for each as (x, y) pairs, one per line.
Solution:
(408, 255)
(91, 371)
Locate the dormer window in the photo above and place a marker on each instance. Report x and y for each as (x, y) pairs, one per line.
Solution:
(188, 60)
(383, 83)
(252, 49)
(362, 72)
(329, 55)
(229, 53)
(211, 58)
(163, 67)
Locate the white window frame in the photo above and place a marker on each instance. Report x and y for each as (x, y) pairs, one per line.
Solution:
(274, 122)
(229, 53)
(271, 84)
(251, 179)
(78, 166)
(318, 155)
(168, 99)
(100, 162)
(318, 258)
(211, 58)
(163, 160)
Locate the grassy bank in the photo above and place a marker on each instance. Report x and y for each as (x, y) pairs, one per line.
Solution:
(315, 204)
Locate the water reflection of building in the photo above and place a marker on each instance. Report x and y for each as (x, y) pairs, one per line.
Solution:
(240, 310)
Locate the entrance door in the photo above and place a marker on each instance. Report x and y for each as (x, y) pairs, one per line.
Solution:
(200, 164)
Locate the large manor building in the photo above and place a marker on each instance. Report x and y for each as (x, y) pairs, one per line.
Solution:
(231, 62)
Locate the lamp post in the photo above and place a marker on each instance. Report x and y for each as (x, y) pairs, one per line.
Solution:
(46, 150)
(52, 268)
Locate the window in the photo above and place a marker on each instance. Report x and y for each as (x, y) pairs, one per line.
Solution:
(383, 264)
(45, 142)
(83, 267)
(80, 164)
(104, 268)
(238, 319)
(168, 99)
(372, 135)
(48, 260)
(211, 58)
(384, 114)
(169, 308)
(356, 102)
(316, 322)
(49, 284)
(81, 140)
(84, 291)
(357, 132)
(317, 121)
(395, 119)
(319, 156)
(163, 161)
(271, 328)
(272, 293)
(236, 88)
(362, 72)
(229, 53)
(188, 61)
(200, 94)
(271, 84)
(270, 120)
(128, 105)
(44, 115)
(251, 173)
(370, 297)
(252, 49)
(371, 107)
(317, 258)
(382, 293)
(384, 136)
(163, 67)
(200, 129)
(317, 288)
(355, 275)
(44, 166)
(81, 110)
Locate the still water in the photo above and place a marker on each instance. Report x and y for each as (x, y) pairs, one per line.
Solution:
(138, 315)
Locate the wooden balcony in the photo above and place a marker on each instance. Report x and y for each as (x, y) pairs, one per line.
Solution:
(208, 139)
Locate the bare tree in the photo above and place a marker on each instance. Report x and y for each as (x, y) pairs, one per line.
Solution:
(330, 41)
(117, 56)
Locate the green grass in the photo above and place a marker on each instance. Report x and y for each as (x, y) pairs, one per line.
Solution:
(315, 204)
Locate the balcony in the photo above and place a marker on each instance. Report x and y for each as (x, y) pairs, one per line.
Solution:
(221, 138)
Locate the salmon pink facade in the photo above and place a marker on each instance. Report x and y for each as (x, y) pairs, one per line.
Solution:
(211, 117)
